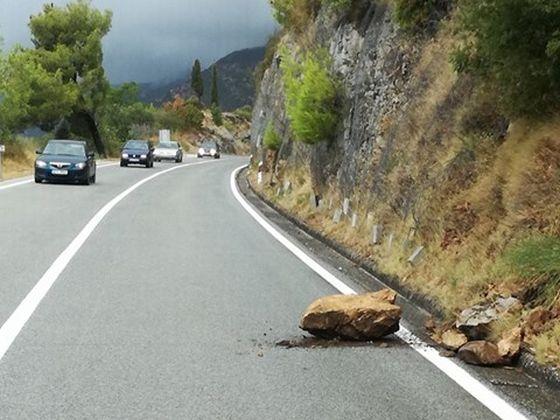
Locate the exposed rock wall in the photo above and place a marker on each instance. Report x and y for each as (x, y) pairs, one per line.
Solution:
(368, 58)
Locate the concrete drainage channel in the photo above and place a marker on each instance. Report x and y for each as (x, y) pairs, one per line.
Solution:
(542, 395)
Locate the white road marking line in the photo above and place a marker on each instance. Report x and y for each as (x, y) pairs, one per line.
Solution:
(31, 180)
(17, 320)
(464, 379)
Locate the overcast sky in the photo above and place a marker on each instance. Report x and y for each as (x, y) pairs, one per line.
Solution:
(154, 40)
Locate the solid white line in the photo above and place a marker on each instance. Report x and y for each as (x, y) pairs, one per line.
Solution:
(459, 375)
(31, 180)
(23, 312)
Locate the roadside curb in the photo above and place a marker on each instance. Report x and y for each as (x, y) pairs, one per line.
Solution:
(526, 361)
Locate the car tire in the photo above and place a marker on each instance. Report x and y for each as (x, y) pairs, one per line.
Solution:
(38, 180)
(94, 178)
(123, 164)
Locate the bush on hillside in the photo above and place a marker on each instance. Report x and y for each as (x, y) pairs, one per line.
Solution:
(311, 97)
(217, 115)
(513, 47)
(295, 14)
(272, 140)
(271, 47)
(414, 15)
(537, 259)
(182, 115)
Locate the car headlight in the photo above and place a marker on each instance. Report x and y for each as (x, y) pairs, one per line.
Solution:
(80, 165)
(143, 157)
(213, 151)
(125, 155)
(201, 151)
(41, 164)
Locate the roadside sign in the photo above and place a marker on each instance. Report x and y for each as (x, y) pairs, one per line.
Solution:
(164, 136)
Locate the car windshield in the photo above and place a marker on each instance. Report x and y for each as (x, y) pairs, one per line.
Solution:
(209, 145)
(167, 146)
(136, 144)
(67, 149)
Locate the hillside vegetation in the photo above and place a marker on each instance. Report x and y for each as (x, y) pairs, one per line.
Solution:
(443, 128)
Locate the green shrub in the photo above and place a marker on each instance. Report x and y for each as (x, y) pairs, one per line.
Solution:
(217, 115)
(414, 15)
(311, 97)
(245, 112)
(295, 14)
(271, 47)
(513, 48)
(537, 259)
(272, 140)
(338, 5)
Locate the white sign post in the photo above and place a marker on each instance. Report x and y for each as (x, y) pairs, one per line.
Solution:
(164, 136)
(2, 151)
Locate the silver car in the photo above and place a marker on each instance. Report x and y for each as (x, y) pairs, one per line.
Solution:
(170, 150)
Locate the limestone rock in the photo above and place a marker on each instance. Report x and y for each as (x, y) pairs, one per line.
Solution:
(510, 344)
(453, 340)
(482, 353)
(356, 317)
(475, 322)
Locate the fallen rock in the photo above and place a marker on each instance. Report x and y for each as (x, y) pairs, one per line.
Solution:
(356, 317)
(453, 340)
(475, 322)
(510, 344)
(482, 353)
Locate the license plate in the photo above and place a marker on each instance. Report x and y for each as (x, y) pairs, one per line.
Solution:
(59, 172)
(134, 160)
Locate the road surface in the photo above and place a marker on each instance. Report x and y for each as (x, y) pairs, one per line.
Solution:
(171, 308)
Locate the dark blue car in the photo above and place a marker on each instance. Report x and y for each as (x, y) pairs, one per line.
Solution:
(138, 152)
(65, 161)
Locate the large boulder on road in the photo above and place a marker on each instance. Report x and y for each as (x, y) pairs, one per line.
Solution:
(355, 317)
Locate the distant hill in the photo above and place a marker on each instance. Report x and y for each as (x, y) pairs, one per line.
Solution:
(235, 81)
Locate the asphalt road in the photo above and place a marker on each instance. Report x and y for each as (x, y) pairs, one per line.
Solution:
(172, 308)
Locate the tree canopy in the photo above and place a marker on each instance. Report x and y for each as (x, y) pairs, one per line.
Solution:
(63, 75)
(197, 84)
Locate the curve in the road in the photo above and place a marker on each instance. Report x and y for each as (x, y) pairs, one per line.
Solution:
(464, 379)
(17, 320)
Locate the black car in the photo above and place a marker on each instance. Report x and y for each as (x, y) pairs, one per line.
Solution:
(209, 148)
(65, 161)
(138, 152)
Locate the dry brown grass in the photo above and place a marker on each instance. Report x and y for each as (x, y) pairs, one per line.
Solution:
(18, 165)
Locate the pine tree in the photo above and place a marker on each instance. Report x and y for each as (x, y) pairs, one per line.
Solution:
(215, 99)
(197, 83)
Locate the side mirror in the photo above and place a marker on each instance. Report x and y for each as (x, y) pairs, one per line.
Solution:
(91, 155)
(38, 152)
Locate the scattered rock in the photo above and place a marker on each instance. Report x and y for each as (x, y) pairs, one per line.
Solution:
(447, 353)
(510, 344)
(475, 322)
(453, 340)
(482, 353)
(357, 317)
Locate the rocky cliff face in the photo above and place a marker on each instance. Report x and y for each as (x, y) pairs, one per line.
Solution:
(368, 57)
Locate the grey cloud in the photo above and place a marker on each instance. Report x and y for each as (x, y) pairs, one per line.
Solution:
(157, 40)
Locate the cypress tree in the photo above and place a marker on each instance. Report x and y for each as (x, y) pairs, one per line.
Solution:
(197, 83)
(215, 99)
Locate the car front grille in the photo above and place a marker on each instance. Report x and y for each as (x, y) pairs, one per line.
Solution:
(60, 165)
